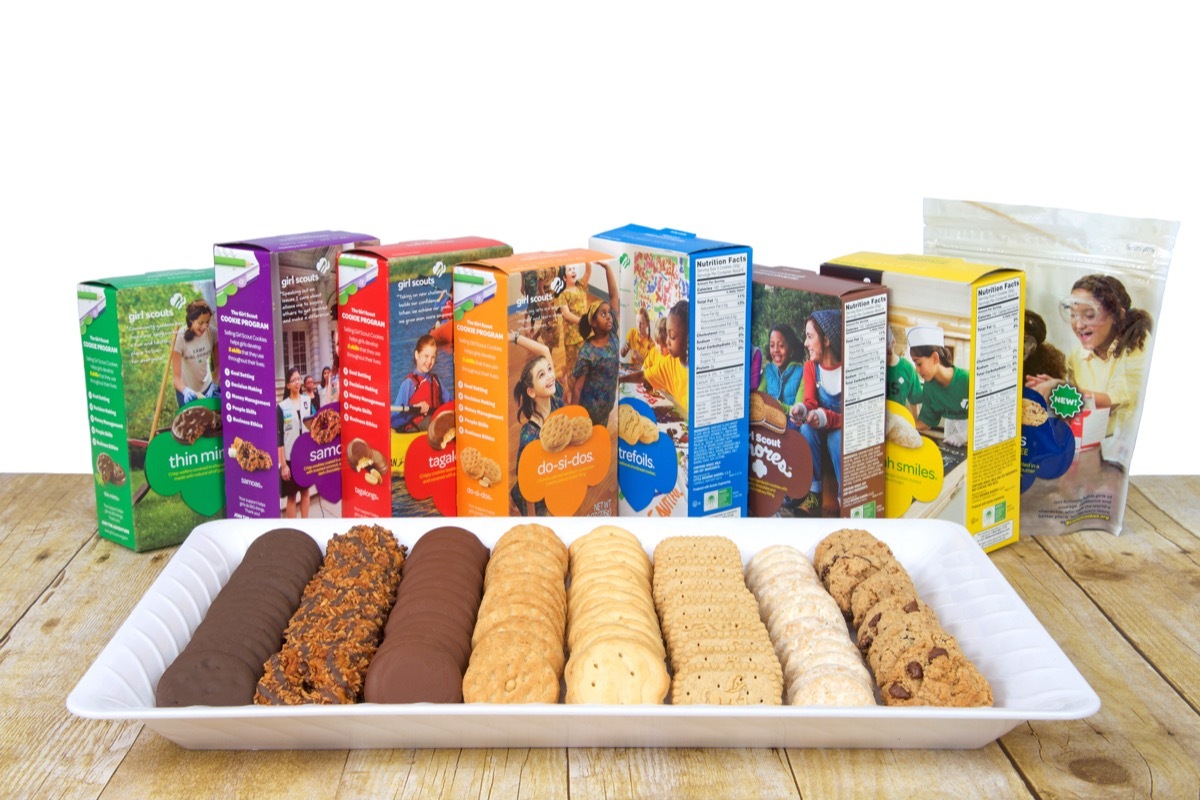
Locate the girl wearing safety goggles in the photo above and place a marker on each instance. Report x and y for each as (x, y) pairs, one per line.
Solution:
(1109, 366)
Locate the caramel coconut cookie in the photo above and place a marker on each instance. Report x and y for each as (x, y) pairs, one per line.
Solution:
(326, 426)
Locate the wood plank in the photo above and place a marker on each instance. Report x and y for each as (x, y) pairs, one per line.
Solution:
(158, 768)
(44, 520)
(1146, 585)
(1145, 740)
(499, 774)
(985, 772)
(679, 773)
(46, 654)
(1177, 497)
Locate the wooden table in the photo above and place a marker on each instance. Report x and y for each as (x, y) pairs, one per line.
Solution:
(1124, 609)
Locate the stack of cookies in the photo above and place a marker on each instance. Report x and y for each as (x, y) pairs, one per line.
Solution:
(821, 666)
(915, 661)
(333, 635)
(517, 653)
(427, 641)
(719, 649)
(617, 653)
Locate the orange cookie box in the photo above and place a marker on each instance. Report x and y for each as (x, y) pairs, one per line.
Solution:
(535, 396)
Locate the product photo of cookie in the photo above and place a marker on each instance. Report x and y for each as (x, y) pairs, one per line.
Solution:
(471, 461)
(110, 471)
(766, 413)
(556, 432)
(1033, 413)
(193, 422)
(902, 432)
(489, 473)
(326, 426)
(249, 457)
(581, 430)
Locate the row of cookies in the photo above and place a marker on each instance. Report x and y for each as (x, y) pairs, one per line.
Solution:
(427, 640)
(821, 665)
(718, 647)
(617, 652)
(331, 639)
(517, 646)
(913, 659)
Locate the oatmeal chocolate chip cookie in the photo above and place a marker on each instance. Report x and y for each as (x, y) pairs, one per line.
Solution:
(556, 432)
(249, 457)
(934, 672)
(110, 471)
(472, 462)
(1033, 413)
(326, 426)
(193, 422)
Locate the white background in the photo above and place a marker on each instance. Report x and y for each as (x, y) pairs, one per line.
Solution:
(135, 136)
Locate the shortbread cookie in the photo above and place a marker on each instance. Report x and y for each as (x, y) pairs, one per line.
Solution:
(629, 424)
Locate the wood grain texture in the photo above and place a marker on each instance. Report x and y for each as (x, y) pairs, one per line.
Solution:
(46, 749)
(44, 520)
(607, 773)
(1145, 740)
(985, 772)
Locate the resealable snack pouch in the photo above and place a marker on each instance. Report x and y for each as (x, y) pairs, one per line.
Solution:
(1094, 289)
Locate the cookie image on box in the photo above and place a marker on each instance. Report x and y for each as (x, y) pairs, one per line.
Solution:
(1033, 413)
(249, 457)
(900, 431)
(472, 462)
(556, 432)
(326, 426)
(110, 471)
(193, 422)
(766, 413)
(581, 430)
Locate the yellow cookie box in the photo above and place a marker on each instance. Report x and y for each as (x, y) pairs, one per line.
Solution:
(954, 378)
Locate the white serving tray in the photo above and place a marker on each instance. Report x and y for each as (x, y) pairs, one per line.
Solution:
(1031, 677)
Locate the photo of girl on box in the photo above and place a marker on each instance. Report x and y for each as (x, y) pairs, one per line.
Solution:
(421, 392)
(537, 393)
(597, 366)
(194, 355)
(573, 304)
(1108, 366)
(638, 341)
(668, 372)
(783, 369)
(819, 413)
(945, 390)
(903, 383)
(293, 408)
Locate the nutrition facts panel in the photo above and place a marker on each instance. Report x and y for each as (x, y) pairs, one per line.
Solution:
(719, 357)
(865, 374)
(997, 362)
